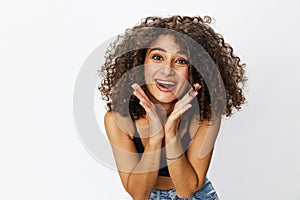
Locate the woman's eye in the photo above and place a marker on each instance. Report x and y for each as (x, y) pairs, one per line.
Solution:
(157, 57)
(182, 61)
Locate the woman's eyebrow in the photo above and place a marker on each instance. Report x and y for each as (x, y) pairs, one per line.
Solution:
(163, 50)
(157, 48)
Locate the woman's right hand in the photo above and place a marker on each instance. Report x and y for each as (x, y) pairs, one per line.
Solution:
(153, 128)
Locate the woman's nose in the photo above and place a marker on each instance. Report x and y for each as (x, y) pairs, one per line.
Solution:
(168, 68)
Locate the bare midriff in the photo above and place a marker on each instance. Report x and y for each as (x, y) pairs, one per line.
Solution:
(164, 183)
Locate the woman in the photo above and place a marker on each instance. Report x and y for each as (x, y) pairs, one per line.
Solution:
(167, 82)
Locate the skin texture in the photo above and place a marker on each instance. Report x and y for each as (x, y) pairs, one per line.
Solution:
(168, 98)
(162, 63)
(140, 176)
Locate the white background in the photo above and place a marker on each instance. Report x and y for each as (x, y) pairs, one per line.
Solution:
(43, 45)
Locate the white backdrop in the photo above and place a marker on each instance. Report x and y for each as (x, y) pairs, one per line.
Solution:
(43, 45)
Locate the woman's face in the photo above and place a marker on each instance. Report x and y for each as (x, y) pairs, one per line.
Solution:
(166, 69)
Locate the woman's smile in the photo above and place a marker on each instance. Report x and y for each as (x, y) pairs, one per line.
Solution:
(165, 85)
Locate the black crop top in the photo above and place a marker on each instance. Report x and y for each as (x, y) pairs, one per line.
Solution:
(163, 169)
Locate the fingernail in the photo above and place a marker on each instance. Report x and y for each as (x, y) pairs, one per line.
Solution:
(134, 86)
(197, 86)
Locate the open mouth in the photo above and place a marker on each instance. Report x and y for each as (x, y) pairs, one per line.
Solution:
(164, 85)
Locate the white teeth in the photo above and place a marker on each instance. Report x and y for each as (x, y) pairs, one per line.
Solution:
(166, 84)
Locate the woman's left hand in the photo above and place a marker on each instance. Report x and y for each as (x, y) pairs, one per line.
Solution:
(172, 123)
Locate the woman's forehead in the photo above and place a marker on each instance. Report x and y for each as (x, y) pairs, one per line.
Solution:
(168, 43)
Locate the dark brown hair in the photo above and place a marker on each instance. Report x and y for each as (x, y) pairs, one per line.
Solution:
(222, 88)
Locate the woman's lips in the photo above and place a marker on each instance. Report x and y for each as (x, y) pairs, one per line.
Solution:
(165, 85)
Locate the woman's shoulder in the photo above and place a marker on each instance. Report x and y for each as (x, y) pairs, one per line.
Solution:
(119, 122)
(196, 124)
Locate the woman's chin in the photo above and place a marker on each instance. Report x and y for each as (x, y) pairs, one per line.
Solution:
(166, 98)
(157, 95)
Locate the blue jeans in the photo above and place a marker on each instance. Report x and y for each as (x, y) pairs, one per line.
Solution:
(206, 192)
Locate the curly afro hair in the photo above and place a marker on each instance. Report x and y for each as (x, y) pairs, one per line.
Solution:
(212, 64)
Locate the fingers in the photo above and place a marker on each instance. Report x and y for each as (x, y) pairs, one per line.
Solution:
(180, 107)
(197, 86)
(140, 91)
(179, 110)
(154, 127)
(184, 104)
(192, 93)
(140, 94)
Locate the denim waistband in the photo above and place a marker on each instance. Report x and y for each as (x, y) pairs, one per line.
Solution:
(206, 192)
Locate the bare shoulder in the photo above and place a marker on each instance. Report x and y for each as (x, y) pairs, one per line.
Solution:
(123, 146)
(116, 123)
(121, 142)
(198, 127)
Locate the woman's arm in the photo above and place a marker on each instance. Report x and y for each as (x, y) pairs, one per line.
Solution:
(138, 175)
(188, 171)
